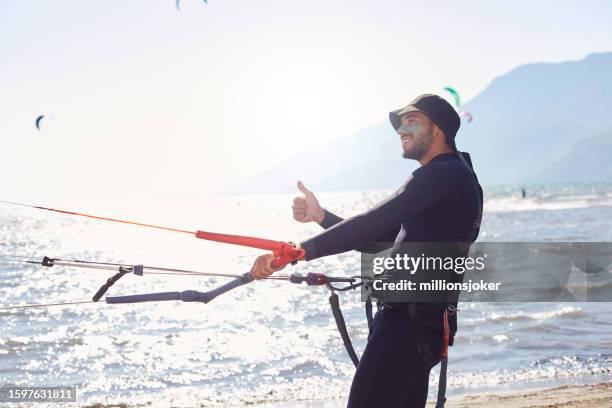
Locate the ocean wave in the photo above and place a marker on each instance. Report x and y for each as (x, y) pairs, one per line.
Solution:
(555, 368)
(516, 204)
(566, 311)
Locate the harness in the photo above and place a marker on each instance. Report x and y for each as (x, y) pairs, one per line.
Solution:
(449, 316)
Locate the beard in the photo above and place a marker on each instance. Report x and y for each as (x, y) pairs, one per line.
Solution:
(420, 146)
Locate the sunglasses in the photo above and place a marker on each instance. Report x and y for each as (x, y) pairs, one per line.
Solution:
(411, 128)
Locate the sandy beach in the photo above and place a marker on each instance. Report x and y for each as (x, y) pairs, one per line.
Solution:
(567, 396)
(575, 396)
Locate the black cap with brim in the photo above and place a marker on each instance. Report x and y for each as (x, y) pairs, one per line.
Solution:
(437, 109)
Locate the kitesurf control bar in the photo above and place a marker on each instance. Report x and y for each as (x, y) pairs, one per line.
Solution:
(284, 253)
(123, 269)
(311, 279)
(185, 296)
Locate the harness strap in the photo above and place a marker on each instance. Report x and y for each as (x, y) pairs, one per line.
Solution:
(368, 310)
(443, 364)
(335, 306)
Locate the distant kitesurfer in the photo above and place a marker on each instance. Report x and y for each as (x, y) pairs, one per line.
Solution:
(524, 192)
(440, 202)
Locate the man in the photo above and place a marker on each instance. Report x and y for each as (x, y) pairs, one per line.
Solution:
(440, 202)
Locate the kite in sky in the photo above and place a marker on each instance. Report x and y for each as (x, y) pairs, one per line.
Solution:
(455, 95)
(468, 115)
(38, 119)
(178, 4)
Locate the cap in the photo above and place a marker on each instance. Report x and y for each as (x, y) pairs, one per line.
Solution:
(437, 109)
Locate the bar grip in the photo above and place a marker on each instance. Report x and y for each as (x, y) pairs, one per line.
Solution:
(211, 294)
(185, 296)
(148, 297)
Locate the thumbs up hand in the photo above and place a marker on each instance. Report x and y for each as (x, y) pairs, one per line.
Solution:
(307, 208)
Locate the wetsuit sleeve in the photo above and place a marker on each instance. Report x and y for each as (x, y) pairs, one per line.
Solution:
(383, 242)
(426, 187)
(330, 219)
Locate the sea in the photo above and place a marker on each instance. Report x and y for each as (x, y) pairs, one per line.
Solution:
(268, 343)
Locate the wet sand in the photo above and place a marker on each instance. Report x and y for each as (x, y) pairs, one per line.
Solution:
(575, 396)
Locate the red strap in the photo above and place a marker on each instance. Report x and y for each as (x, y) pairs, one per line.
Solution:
(287, 254)
(446, 334)
(284, 253)
(240, 240)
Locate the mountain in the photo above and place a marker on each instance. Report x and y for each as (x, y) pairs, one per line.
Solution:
(532, 118)
(538, 122)
(589, 160)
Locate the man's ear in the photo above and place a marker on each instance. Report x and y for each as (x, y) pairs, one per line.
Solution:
(438, 132)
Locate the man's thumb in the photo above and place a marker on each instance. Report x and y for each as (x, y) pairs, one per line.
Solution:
(303, 188)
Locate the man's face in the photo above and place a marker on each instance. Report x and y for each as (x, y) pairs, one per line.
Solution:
(416, 132)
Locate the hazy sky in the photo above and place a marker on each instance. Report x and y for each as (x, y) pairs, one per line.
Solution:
(146, 99)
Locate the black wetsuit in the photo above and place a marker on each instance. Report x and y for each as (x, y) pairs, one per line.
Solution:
(441, 202)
